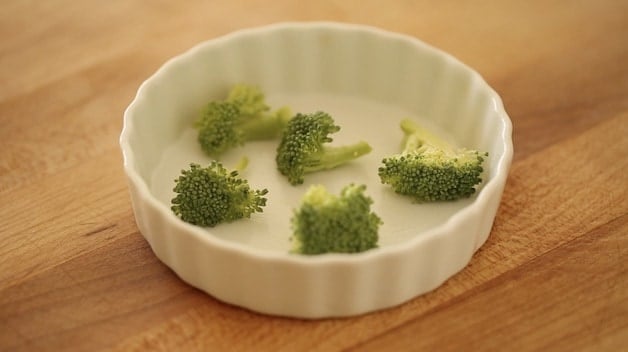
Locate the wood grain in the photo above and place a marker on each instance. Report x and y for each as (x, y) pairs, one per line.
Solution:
(557, 290)
(75, 274)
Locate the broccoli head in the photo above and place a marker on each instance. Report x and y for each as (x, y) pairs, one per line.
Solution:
(303, 147)
(243, 116)
(430, 169)
(326, 223)
(212, 195)
(249, 99)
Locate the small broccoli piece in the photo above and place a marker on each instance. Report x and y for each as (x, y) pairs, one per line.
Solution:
(430, 169)
(242, 117)
(303, 147)
(326, 223)
(249, 99)
(212, 195)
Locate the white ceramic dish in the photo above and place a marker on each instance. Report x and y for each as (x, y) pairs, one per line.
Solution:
(368, 79)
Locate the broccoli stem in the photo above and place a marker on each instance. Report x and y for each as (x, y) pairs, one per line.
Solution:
(331, 157)
(267, 126)
(242, 164)
(417, 136)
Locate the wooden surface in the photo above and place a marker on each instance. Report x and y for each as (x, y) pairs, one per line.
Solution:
(75, 274)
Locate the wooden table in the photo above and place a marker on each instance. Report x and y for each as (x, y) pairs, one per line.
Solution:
(75, 273)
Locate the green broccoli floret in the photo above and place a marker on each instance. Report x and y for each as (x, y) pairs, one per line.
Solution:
(303, 147)
(249, 99)
(430, 169)
(212, 195)
(243, 116)
(326, 223)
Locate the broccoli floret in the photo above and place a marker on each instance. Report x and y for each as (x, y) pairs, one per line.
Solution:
(303, 147)
(243, 116)
(430, 169)
(326, 223)
(249, 99)
(212, 195)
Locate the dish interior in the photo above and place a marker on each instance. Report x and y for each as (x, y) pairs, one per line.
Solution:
(360, 119)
